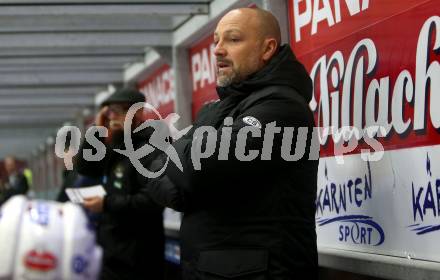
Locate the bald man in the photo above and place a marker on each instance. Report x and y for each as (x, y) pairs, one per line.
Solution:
(249, 208)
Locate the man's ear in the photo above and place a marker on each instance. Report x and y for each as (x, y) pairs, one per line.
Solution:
(270, 48)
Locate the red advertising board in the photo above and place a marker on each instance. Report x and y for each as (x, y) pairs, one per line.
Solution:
(159, 91)
(316, 23)
(375, 64)
(378, 66)
(203, 76)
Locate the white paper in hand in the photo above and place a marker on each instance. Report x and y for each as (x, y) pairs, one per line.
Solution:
(77, 195)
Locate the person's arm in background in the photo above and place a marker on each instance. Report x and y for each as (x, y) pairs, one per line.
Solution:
(22, 186)
(135, 203)
(87, 167)
(2, 192)
(92, 168)
(129, 204)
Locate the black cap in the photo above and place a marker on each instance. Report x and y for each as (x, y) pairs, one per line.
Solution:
(125, 95)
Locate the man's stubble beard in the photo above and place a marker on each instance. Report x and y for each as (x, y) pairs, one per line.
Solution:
(117, 137)
(237, 75)
(226, 80)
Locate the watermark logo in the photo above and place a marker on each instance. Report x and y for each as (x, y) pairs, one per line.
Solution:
(158, 140)
(247, 139)
(163, 130)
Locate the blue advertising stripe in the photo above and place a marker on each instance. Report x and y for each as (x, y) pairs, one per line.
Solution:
(421, 228)
(344, 218)
(430, 229)
(414, 225)
(367, 220)
(321, 220)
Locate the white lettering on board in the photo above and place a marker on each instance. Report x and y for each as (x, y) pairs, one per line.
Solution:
(317, 11)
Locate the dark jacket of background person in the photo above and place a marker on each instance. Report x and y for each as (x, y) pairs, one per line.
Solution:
(131, 226)
(253, 219)
(16, 184)
(71, 179)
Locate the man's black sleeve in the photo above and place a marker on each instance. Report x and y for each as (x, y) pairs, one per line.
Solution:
(165, 191)
(283, 112)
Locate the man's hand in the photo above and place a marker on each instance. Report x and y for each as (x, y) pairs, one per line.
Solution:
(101, 117)
(94, 204)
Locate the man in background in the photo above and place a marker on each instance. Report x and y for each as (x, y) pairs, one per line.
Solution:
(16, 183)
(130, 229)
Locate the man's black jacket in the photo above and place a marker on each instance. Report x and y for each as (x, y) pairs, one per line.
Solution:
(249, 219)
(130, 229)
